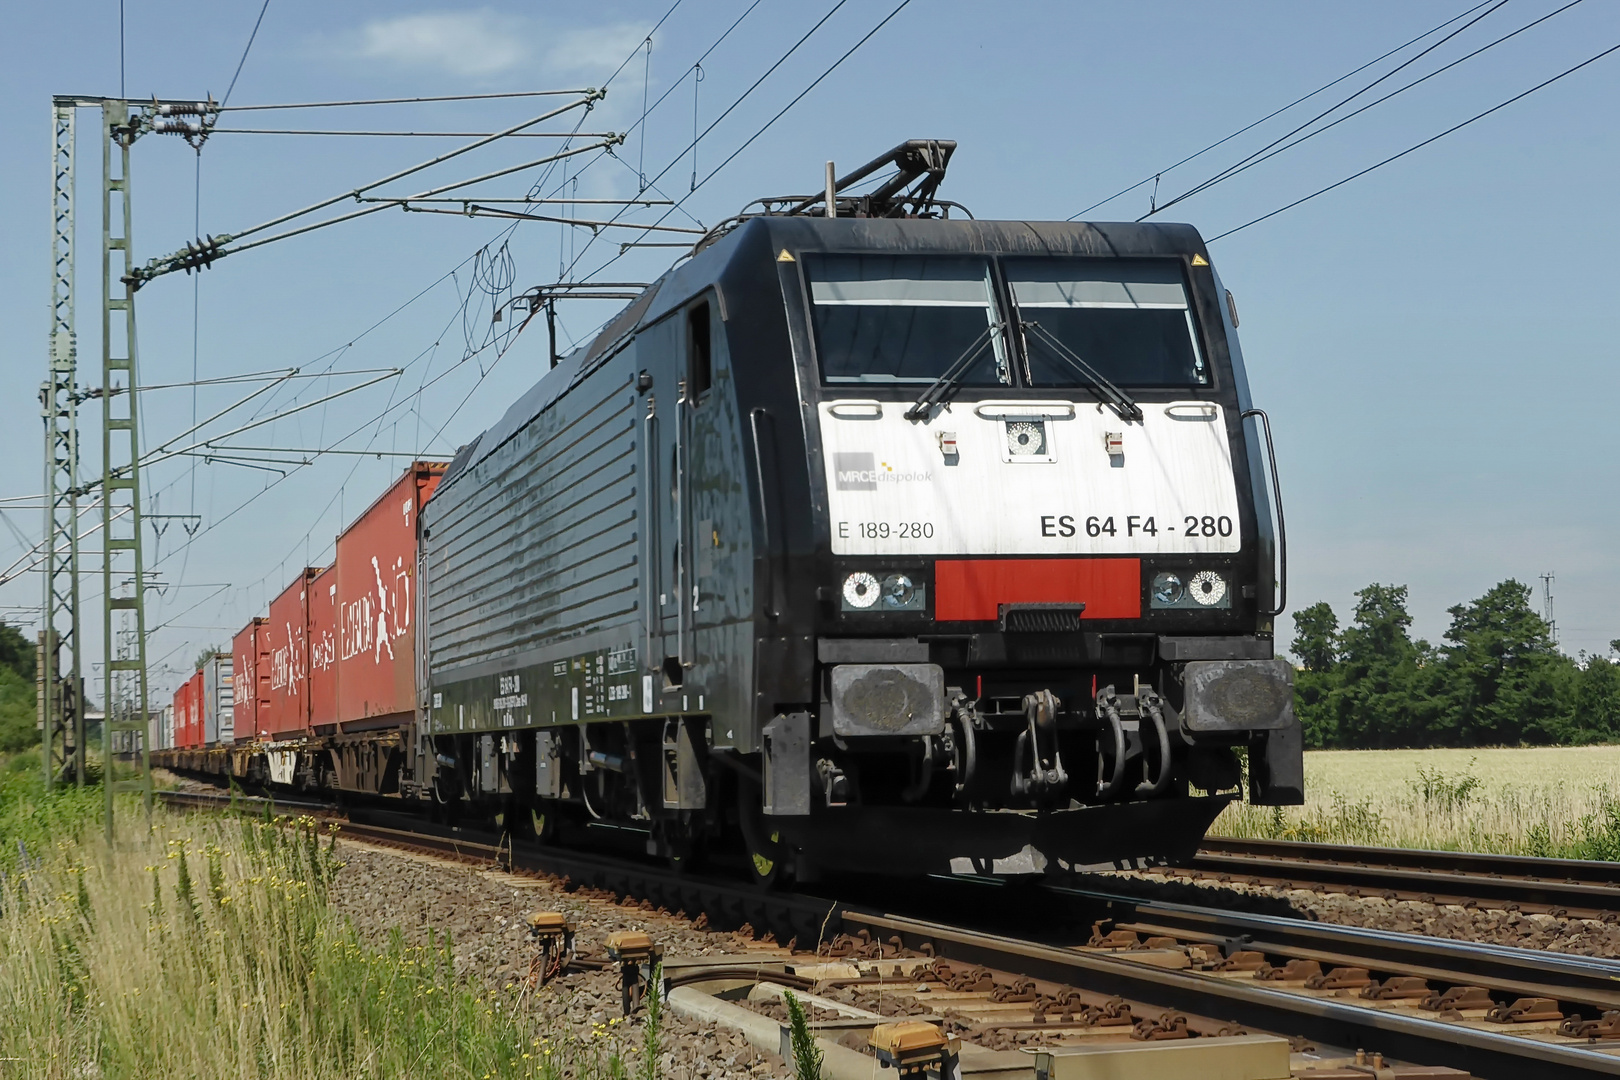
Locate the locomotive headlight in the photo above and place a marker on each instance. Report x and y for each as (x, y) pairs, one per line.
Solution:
(1207, 587)
(898, 591)
(1190, 590)
(861, 591)
(1168, 588)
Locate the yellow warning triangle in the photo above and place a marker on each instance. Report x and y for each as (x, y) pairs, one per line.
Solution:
(1199, 260)
(784, 257)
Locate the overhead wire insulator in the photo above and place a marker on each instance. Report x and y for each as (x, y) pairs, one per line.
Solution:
(195, 132)
(199, 254)
(162, 126)
(188, 108)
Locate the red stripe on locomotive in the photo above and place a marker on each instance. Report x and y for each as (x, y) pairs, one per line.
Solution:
(971, 590)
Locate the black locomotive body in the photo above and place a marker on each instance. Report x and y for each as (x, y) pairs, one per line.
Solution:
(890, 544)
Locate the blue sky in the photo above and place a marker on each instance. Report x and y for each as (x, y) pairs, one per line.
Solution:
(1433, 340)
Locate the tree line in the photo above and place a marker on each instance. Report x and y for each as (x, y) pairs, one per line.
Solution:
(17, 694)
(1496, 679)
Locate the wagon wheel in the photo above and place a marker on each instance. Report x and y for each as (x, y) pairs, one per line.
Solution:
(762, 846)
(542, 825)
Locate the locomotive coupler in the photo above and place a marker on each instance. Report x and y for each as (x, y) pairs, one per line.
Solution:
(1130, 721)
(1037, 746)
(962, 730)
(1111, 768)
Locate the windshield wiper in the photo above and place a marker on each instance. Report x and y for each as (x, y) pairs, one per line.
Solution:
(948, 378)
(1118, 400)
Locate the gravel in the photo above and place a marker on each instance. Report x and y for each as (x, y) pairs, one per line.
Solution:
(483, 912)
(382, 891)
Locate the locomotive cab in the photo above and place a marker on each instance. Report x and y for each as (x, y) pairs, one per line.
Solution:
(1041, 548)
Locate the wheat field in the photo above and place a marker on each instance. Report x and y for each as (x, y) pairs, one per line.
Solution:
(1559, 801)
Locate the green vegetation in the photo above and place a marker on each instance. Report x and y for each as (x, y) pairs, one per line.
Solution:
(35, 826)
(1550, 801)
(1496, 680)
(652, 1029)
(207, 947)
(806, 1054)
(17, 705)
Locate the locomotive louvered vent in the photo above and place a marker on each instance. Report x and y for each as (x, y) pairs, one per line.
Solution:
(1040, 618)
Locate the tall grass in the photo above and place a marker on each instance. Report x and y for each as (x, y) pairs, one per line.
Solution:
(34, 825)
(1507, 801)
(206, 947)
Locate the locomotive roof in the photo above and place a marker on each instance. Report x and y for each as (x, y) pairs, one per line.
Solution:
(1124, 238)
(798, 233)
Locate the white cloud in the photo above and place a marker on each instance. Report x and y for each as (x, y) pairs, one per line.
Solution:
(468, 43)
(483, 42)
(596, 50)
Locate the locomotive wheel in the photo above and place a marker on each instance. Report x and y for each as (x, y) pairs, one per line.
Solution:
(762, 846)
(764, 860)
(446, 801)
(685, 858)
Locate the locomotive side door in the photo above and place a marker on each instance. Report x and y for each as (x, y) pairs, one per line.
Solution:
(661, 350)
(682, 471)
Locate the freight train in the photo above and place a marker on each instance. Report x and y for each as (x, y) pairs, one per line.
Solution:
(868, 538)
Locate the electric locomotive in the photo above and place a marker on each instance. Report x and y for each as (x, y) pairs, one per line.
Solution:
(874, 538)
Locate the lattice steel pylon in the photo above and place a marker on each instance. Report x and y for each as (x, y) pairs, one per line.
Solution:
(126, 728)
(61, 691)
(123, 575)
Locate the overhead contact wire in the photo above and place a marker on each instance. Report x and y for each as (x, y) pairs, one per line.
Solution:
(246, 49)
(729, 109)
(1277, 112)
(1379, 101)
(767, 125)
(1421, 145)
(339, 352)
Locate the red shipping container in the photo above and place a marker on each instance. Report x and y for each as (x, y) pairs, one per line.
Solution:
(182, 716)
(376, 567)
(261, 679)
(287, 642)
(194, 705)
(250, 682)
(323, 649)
(242, 719)
(191, 714)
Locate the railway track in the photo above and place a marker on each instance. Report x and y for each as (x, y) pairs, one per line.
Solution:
(225, 800)
(1562, 887)
(1334, 988)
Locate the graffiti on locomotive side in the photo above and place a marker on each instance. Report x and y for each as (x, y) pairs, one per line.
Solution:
(373, 621)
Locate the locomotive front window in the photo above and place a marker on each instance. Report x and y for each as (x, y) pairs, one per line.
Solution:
(1129, 319)
(905, 319)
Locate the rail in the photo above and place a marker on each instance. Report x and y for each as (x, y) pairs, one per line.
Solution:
(1526, 883)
